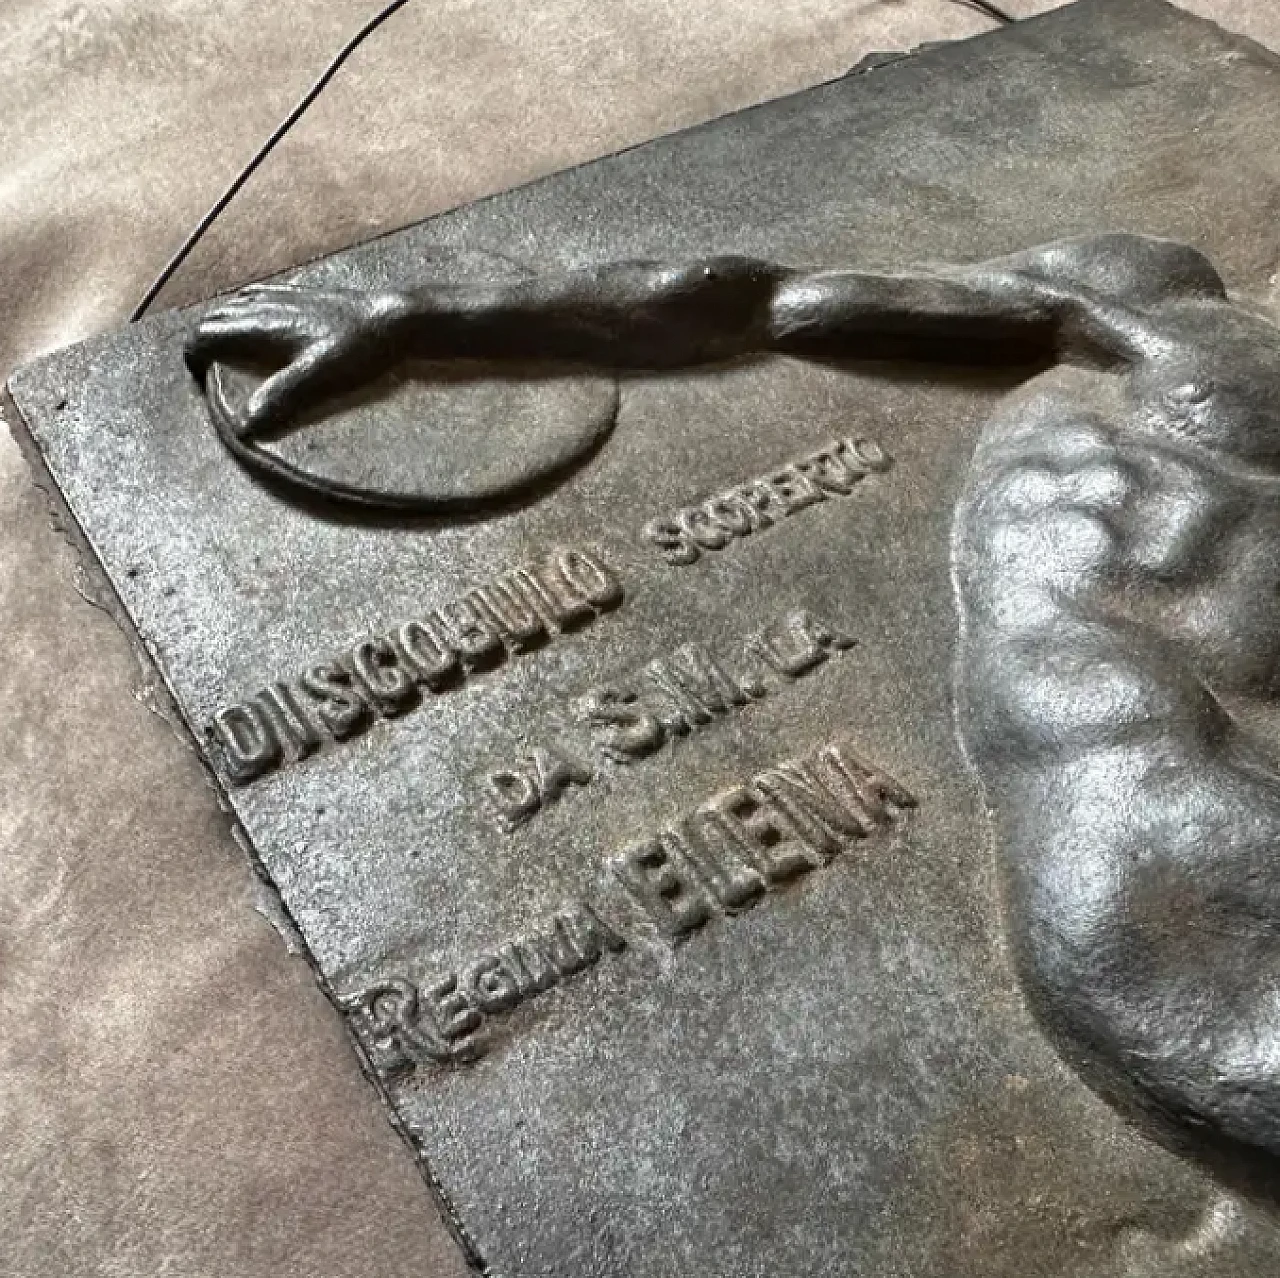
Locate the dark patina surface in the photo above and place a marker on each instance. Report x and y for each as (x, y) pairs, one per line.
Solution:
(624, 810)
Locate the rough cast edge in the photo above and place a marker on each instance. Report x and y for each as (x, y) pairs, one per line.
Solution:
(92, 583)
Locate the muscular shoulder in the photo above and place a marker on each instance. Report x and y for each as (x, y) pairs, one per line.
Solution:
(1060, 528)
(1140, 270)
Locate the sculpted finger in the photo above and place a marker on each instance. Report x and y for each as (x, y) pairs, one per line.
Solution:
(283, 294)
(216, 338)
(249, 305)
(290, 392)
(227, 334)
(260, 323)
(256, 304)
(273, 322)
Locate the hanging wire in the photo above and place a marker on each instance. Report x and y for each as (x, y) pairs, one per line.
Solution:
(991, 10)
(335, 64)
(264, 150)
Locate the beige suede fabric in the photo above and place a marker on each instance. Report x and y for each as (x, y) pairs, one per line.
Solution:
(176, 1097)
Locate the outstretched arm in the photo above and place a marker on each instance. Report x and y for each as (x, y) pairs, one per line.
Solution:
(648, 315)
(1138, 828)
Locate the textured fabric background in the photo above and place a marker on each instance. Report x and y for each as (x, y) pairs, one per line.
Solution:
(176, 1098)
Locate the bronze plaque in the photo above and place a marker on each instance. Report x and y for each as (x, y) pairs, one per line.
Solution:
(750, 664)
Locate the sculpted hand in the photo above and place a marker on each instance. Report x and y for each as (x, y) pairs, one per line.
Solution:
(332, 339)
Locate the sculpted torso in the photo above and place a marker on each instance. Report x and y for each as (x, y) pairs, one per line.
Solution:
(1116, 554)
(1117, 559)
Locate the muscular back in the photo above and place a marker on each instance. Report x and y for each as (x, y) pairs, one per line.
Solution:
(1117, 556)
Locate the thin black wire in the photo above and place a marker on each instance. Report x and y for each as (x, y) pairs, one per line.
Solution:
(264, 150)
(318, 87)
(991, 10)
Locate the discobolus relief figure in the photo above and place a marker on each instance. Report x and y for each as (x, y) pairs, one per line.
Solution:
(1116, 555)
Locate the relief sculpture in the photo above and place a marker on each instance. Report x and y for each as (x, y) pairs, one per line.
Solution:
(1116, 558)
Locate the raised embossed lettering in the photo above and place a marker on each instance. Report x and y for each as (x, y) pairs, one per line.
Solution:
(590, 579)
(536, 781)
(697, 686)
(388, 1022)
(718, 860)
(339, 704)
(512, 615)
(403, 1027)
(624, 729)
(470, 634)
(875, 789)
(297, 734)
(677, 545)
(513, 794)
(825, 819)
(388, 674)
(726, 855)
(433, 661)
(798, 643)
(752, 839)
(376, 663)
(684, 691)
(704, 529)
(246, 740)
(592, 937)
(764, 833)
(664, 886)
(530, 964)
(795, 489)
(715, 523)
(449, 1009)
(491, 986)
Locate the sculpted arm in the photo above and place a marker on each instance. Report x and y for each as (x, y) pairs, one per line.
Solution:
(1138, 828)
(648, 315)
(641, 315)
